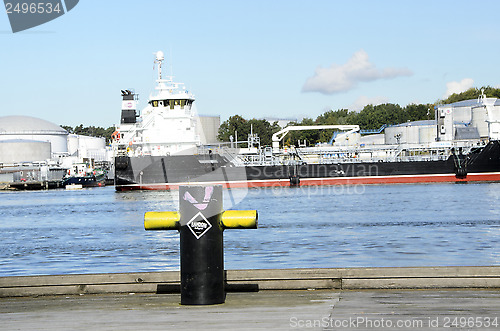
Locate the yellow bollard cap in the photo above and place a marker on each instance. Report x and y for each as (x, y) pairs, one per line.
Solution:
(239, 219)
(161, 220)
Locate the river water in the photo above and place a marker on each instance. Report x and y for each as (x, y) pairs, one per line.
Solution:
(99, 230)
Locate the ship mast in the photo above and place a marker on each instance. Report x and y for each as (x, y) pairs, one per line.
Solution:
(159, 59)
(163, 85)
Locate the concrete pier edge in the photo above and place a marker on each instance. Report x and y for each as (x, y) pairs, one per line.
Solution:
(459, 277)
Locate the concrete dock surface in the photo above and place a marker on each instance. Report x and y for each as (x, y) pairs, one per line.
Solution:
(430, 309)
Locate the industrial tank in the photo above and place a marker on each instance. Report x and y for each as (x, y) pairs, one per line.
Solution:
(33, 130)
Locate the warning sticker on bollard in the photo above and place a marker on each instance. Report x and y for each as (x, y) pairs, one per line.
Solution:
(199, 225)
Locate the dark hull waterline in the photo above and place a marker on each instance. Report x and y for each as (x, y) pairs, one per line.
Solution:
(168, 172)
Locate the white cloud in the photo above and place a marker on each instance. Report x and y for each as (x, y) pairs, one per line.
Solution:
(458, 87)
(362, 101)
(341, 78)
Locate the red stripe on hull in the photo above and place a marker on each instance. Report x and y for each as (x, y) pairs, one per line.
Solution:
(447, 178)
(487, 177)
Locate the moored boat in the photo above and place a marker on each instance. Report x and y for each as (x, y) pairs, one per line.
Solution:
(88, 180)
(86, 175)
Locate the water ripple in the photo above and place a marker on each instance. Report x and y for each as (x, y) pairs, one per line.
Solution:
(100, 230)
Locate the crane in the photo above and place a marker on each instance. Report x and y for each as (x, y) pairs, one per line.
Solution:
(278, 136)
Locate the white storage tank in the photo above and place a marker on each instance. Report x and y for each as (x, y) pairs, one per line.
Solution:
(417, 132)
(373, 139)
(92, 147)
(34, 129)
(19, 151)
(427, 134)
(73, 144)
(479, 117)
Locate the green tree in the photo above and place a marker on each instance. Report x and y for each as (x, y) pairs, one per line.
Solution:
(235, 125)
(240, 126)
(373, 117)
(311, 137)
(78, 129)
(67, 128)
(472, 93)
(419, 112)
(91, 131)
(264, 130)
(338, 117)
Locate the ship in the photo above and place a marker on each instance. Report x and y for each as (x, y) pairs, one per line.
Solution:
(165, 145)
(84, 174)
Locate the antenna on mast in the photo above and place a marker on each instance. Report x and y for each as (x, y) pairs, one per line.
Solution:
(171, 64)
(159, 59)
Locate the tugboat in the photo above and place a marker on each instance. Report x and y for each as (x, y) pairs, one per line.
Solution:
(84, 175)
(161, 148)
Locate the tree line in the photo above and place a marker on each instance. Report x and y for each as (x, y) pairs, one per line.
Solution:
(369, 118)
(92, 131)
(472, 93)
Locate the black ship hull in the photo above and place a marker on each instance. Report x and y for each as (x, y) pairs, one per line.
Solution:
(166, 172)
(86, 181)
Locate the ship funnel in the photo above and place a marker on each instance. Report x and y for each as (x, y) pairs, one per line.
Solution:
(129, 106)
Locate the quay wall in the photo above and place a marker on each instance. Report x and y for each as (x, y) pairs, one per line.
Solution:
(460, 277)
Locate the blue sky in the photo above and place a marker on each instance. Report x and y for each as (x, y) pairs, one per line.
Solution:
(253, 58)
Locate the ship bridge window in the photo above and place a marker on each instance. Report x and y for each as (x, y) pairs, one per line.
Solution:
(174, 102)
(154, 103)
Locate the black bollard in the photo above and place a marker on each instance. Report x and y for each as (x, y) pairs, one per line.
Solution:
(201, 222)
(202, 257)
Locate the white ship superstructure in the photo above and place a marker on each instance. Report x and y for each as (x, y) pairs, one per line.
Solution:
(166, 126)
